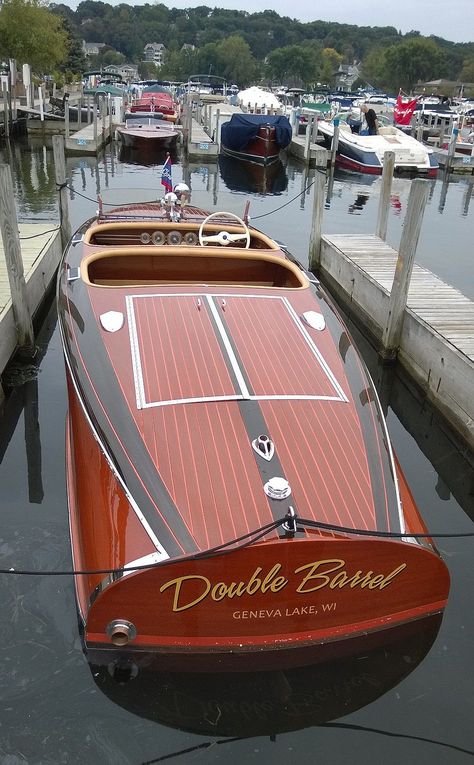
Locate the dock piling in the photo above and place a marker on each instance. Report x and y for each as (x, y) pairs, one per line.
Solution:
(60, 177)
(384, 200)
(406, 258)
(318, 207)
(14, 262)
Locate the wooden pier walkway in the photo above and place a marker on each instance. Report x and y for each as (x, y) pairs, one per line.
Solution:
(201, 145)
(41, 253)
(87, 140)
(437, 340)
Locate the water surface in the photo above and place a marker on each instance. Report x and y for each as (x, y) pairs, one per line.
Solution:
(405, 703)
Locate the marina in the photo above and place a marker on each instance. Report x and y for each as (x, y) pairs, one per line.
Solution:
(188, 713)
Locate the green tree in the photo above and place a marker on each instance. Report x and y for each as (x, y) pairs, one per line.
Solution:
(293, 64)
(412, 61)
(467, 72)
(33, 35)
(235, 61)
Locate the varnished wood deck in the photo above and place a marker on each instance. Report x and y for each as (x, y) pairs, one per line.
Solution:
(440, 305)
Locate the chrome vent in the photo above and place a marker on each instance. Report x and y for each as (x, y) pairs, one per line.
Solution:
(264, 447)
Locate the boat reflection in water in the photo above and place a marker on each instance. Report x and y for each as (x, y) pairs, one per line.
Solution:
(250, 177)
(248, 704)
(130, 155)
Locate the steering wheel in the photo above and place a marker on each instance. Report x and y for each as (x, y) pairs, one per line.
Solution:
(224, 237)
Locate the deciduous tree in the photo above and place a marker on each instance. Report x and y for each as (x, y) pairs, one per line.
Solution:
(33, 35)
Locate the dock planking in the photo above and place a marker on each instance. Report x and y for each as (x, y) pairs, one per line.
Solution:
(444, 308)
(41, 252)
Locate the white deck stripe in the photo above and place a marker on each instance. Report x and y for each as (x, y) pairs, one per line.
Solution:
(135, 354)
(244, 394)
(230, 352)
(325, 366)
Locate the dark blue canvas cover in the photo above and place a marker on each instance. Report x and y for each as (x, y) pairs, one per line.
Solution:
(241, 128)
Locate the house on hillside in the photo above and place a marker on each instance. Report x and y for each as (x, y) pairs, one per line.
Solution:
(346, 75)
(92, 48)
(126, 71)
(154, 52)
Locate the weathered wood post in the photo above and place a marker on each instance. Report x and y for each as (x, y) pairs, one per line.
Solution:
(60, 177)
(14, 262)
(79, 113)
(66, 118)
(451, 148)
(406, 258)
(335, 140)
(89, 115)
(6, 111)
(217, 134)
(384, 201)
(190, 117)
(314, 128)
(307, 143)
(109, 108)
(27, 84)
(95, 104)
(318, 207)
(13, 81)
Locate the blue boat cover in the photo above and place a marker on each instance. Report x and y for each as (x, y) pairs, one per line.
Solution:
(241, 128)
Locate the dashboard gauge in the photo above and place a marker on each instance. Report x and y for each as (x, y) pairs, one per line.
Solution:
(175, 237)
(145, 238)
(191, 238)
(158, 237)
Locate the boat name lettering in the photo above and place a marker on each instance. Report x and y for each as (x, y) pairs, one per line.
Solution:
(316, 581)
(317, 575)
(221, 590)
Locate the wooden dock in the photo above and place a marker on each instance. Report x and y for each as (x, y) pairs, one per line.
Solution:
(201, 145)
(458, 163)
(437, 338)
(41, 255)
(304, 150)
(89, 140)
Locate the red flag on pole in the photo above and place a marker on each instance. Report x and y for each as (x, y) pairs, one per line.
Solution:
(403, 111)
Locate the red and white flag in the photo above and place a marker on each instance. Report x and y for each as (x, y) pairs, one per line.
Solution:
(403, 111)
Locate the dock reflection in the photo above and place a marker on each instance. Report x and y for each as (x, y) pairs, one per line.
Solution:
(247, 704)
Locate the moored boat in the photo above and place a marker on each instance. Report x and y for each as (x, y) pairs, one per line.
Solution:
(365, 153)
(233, 494)
(156, 98)
(145, 130)
(255, 137)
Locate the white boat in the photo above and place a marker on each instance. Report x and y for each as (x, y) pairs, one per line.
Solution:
(365, 153)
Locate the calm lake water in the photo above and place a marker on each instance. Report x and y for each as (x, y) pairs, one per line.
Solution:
(407, 703)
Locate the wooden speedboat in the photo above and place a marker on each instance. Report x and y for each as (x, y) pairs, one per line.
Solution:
(233, 494)
(147, 130)
(365, 153)
(257, 138)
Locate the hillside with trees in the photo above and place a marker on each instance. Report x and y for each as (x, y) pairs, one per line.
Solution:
(240, 46)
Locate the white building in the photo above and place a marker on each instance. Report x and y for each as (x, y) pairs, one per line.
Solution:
(154, 52)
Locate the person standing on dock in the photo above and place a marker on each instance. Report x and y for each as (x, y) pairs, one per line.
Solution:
(370, 118)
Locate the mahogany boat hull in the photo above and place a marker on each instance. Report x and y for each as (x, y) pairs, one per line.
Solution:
(147, 140)
(262, 150)
(233, 496)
